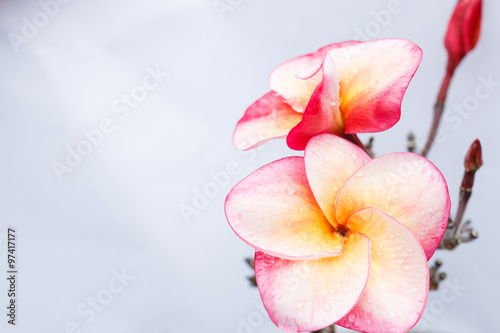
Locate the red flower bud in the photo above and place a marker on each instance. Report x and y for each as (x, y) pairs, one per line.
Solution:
(473, 158)
(463, 31)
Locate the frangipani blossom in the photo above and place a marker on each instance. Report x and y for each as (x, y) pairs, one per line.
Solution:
(341, 89)
(341, 238)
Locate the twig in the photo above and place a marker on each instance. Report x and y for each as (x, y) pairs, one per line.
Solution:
(369, 146)
(411, 142)
(434, 276)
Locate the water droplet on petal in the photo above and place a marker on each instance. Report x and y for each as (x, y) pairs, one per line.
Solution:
(392, 314)
(290, 191)
(351, 318)
(299, 305)
(407, 268)
(391, 236)
(304, 236)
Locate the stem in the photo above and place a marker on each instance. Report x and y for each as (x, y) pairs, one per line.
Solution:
(354, 139)
(438, 112)
(465, 193)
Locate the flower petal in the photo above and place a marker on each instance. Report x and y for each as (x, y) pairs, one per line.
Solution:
(310, 295)
(274, 211)
(268, 118)
(330, 161)
(296, 79)
(395, 296)
(373, 79)
(406, 186)
(322, 114)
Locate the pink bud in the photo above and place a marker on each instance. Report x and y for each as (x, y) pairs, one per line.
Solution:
(473, 158)
(463, 31)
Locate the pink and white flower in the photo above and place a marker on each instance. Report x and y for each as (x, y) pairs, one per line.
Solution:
(341, 89)
(342, 238)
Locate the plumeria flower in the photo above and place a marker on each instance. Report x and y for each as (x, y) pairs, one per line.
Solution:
(341, 238)
(342, 89)
(463, 31)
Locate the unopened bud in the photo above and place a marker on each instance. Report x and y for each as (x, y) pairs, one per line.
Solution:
(463, 31)
(473, 158)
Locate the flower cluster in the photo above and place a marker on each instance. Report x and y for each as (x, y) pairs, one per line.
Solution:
(340, 237)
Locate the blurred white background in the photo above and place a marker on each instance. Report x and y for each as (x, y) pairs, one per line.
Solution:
(119, 209)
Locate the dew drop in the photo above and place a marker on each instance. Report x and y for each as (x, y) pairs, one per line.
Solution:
(406, 267)
(354, 156)
(414, 289)
(391, 236)
(378, 224)
(346, 278)
(398, 248)
(400, 261)
(299, 305)
(304, 236)
(352, 318)
(410, 249)
(392, 314)
(326, 307)
(290, 191)
(393, 254)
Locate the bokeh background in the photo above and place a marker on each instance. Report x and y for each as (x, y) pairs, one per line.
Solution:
(118, 210)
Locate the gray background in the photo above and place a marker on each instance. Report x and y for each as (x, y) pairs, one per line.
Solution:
(120, 208)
